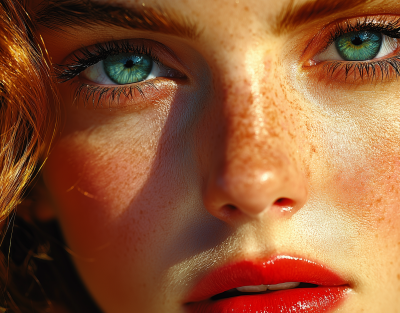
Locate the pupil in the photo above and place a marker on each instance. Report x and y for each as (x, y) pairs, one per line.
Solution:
(129, 64)
(356, 41)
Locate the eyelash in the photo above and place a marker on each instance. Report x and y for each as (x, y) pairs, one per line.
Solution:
(87, 57)
(365, 69)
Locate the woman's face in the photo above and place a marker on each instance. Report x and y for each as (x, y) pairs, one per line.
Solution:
(249, 131)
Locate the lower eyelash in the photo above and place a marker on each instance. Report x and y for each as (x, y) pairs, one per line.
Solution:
(385, 69)
(97, 94)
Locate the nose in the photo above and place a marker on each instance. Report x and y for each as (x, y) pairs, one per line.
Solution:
(254, 169)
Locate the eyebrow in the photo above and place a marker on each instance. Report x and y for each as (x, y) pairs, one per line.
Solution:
(294, 15)
(61, 14)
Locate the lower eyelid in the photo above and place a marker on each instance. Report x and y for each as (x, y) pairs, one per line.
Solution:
(134, 97)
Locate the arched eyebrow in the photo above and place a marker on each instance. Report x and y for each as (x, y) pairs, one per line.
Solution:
(60, 15)
(294, 15)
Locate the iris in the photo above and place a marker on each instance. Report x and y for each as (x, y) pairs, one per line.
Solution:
(359, 46)
(127, 68)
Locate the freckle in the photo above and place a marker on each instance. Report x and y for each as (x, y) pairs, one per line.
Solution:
(398, 276)
(246, 8)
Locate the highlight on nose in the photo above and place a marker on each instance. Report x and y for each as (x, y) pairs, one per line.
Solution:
(231, 194)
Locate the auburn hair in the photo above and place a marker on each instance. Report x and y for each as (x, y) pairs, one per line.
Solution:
(36, 273)
(28, 119)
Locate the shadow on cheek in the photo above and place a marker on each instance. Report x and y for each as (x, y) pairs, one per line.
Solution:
(173, 218)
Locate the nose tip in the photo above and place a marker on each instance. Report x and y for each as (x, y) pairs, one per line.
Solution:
(253, 193)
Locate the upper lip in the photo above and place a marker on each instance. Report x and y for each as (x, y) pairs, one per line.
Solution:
(276, 270)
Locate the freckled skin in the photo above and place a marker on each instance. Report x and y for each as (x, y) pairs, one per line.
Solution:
(150, 197)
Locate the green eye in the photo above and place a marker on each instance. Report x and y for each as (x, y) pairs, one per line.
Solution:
(127, 68)
(359, 46)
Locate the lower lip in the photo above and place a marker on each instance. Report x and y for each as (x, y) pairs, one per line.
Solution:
(300, 300)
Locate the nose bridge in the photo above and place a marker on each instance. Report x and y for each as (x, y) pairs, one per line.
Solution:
(252, 115)
(254, 148)
(254, 171)
(252, 130)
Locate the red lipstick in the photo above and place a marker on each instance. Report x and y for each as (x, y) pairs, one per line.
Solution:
(211, 293)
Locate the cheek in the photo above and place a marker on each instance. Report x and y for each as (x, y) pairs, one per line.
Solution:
(95, 172)
(92, 190)
(116, 205)
(369, 189)
(360, 139)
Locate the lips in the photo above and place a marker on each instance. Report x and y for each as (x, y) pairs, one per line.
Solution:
(216, 292)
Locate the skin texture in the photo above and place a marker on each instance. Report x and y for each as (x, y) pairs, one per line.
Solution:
(153, 193)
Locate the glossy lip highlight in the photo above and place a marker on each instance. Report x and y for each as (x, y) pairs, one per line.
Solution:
(279, 269)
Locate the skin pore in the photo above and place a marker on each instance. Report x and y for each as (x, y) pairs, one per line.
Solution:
(256, 149)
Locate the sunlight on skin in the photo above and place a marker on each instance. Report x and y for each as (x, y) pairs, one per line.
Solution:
(153, 178)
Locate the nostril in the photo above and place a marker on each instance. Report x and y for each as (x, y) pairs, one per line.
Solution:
(229, 208)
(284, 204)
